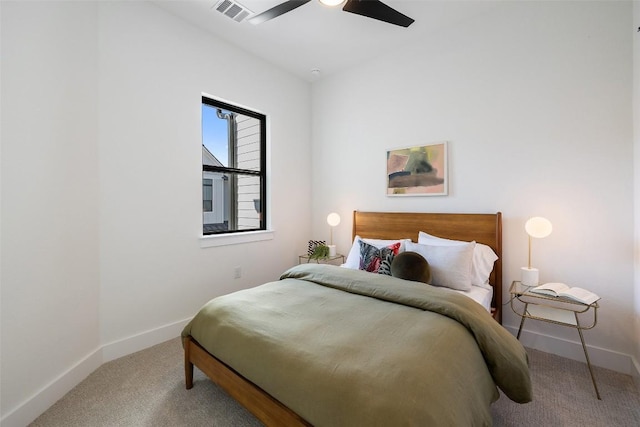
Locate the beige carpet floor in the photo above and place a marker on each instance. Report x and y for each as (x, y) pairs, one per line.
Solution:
(147, 389)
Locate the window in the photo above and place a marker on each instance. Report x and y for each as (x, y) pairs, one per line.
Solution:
(233, 168)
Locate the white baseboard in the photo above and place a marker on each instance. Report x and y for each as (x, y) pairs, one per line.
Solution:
(601, 357)
(31, 409)
(143, 340)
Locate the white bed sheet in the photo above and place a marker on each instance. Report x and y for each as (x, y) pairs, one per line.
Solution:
(480, 295)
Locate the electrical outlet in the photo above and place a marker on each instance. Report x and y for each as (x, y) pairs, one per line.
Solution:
(237, 272)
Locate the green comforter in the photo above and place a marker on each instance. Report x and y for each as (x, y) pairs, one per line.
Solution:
(345, 347)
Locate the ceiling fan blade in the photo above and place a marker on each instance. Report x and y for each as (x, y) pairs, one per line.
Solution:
(377, 10)
(276, 11)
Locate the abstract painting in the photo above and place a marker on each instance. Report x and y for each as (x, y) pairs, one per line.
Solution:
(417, 171)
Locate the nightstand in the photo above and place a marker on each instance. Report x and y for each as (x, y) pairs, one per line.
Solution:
(334, 259)
(557, 310)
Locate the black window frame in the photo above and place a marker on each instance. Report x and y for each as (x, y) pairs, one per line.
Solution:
(261, 174)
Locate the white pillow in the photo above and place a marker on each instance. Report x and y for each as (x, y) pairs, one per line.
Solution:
(450, 265)
(353, 258)
(483, 258)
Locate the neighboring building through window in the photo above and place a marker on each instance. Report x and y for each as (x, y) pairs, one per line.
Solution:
(207, 194)
(233, 168)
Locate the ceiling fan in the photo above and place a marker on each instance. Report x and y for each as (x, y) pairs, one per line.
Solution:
(370, 8)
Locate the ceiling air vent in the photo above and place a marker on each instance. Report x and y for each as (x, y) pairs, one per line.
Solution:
(233, 10)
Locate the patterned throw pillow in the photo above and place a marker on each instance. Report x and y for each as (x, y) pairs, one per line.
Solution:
(385, 265)
(371, 258)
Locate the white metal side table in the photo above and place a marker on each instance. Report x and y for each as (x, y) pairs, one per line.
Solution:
(331, 259)
(557, 310)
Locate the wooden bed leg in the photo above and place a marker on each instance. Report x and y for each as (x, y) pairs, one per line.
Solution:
(188, 366)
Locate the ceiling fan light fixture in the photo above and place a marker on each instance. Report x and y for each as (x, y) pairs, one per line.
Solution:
(374, 9)
(331, 3)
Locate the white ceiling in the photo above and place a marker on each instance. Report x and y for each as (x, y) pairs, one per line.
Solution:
(314, 36)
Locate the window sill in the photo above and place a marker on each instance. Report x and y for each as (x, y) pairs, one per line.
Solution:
(235, 238)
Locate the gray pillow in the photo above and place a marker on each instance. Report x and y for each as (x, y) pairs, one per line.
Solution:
(411, 266)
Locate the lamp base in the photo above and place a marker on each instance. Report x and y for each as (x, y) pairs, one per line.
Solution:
(529, 276)
(332, 250)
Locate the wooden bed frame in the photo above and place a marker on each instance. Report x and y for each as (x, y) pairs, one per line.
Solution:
(483, 228)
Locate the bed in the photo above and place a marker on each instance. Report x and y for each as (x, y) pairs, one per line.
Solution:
(327, 345)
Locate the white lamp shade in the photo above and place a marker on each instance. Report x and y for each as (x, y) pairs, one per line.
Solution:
(538, 227)
(333, 219)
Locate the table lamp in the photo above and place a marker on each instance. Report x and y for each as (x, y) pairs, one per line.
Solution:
(537, 227)
(333, 219)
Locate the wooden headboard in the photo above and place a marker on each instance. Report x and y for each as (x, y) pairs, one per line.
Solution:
(483, 228)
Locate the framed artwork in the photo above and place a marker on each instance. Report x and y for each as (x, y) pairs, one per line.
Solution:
(417, 171)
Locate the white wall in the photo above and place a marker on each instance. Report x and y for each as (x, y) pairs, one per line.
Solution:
(101, 186)
(636, 162)
(153, 270)
(535, 100)
(50, 259)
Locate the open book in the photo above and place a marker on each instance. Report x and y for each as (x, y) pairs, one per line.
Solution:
(561, 290)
